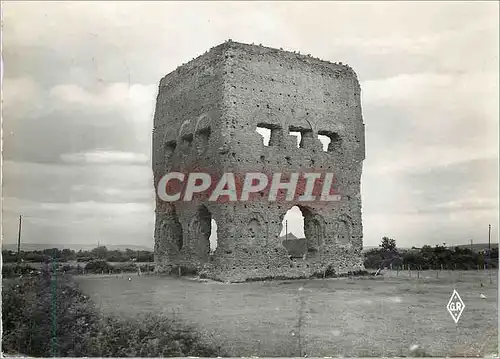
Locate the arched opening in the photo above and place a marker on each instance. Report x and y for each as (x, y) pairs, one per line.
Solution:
(213, 237)
(169, 149)
(177, 231)
(313, 230)
(343, 230)
(168, 232)
(256, 229)
(203, 138)
(203, 233)
(254, 226)
(302, 232)
(292, 233)
(203, 131)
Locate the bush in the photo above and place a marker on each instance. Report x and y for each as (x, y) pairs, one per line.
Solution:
(98, 267)
(147, 268)
(10, 271)
(67, 268)
(34, 309)
(126, 267)
(152, 336)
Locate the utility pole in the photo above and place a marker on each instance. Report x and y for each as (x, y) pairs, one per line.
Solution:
(489, 249)
(19, 241)
(471, 245)
(286, 230)
(489, 238)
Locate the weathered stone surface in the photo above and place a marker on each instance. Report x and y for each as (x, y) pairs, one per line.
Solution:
(206, 115)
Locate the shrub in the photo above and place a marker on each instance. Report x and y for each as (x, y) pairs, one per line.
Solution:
(126, 267)
(67, 268)
(329, 272)
(147, 268)
(35, 308)
(42, 304)
(98, 267)
(152, 336)
(10, 271)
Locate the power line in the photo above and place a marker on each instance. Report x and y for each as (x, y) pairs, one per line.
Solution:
(19, 240)
(489, 250)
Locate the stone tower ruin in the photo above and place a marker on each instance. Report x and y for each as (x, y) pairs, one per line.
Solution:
(206, 117)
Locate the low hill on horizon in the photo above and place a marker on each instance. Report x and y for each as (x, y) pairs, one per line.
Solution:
(76, 247)
(477, 247)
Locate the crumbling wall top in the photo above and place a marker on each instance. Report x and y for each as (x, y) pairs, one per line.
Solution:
(219, 50)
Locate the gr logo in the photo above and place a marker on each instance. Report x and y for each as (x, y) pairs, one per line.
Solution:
(455, 306)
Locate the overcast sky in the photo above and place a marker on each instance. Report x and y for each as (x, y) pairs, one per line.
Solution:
(80, 81)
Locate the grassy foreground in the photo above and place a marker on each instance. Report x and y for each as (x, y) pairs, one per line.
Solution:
(43, 317)
(395, 315)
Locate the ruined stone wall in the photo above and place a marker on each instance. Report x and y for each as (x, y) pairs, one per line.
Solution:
(189, 99)
(232, 90)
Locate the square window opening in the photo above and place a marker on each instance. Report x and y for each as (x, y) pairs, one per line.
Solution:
(331, 141)
(298, 135)
(271, 133)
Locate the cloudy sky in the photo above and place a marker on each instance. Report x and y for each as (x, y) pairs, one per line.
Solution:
(80, 81)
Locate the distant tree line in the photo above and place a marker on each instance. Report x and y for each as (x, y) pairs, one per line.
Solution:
(387, 255)
(65, 255)
(427, 257)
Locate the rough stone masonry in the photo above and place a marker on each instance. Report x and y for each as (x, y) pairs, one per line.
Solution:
(206, 117)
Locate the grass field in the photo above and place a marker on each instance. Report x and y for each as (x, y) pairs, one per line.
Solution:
(381, 316)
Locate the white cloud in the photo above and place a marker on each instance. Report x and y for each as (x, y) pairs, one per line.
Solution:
(136, 98)
(22, 95)
(412, 158)
(105, 157)
(79, 222)
(21, 88)
(131, 194)
(465, 204)
(87, 209)
(428, 88)
(443, 119)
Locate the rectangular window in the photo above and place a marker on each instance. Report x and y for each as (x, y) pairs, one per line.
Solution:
(304, 135)
(331, 141)
(272, 134)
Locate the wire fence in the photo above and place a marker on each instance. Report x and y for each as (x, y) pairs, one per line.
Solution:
(480, 274)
